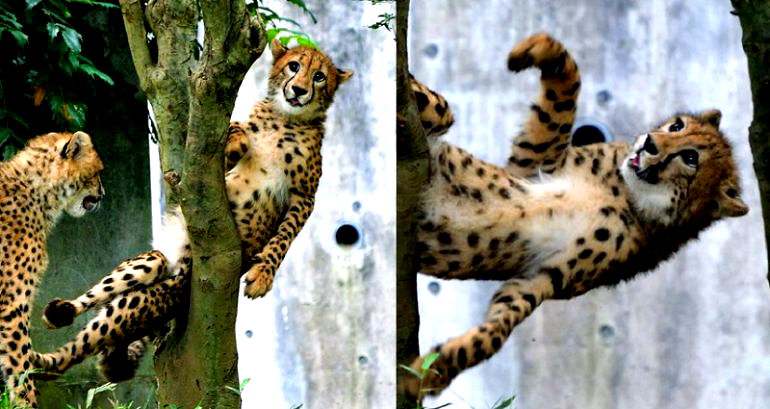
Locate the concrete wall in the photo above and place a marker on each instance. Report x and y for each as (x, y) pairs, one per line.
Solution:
(694, 333)
(324, 336)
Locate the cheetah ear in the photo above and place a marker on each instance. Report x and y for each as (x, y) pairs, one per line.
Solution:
(343, 75)
(73, 147)
(278, 49)
(713, 117)
(730, 203)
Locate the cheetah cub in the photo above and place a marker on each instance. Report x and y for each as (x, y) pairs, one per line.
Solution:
(273, 161)
(558, 220)
(55, 173)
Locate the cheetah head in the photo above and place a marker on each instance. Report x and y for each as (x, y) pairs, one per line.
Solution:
(76, 173)
(303, 80)
(683, 171)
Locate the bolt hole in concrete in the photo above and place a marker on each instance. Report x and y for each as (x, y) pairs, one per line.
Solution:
(363, 360)
(606, 331)
(587, 131)
(434, 287)
(347, 235)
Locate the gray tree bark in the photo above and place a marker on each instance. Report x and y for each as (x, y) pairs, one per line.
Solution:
(754, 16)
(411, 176)
(192, 100)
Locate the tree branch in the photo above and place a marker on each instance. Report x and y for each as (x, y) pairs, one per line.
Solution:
(133, 19)
(411, 176)
(754, 16)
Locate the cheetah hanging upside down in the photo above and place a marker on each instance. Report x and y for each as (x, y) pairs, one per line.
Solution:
(558, 220)
(54, 173)
(273, 166)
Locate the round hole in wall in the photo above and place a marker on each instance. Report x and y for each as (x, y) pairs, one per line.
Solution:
(347, 235)
(434, 287)
(356, 206)
(588, 131)
(363, 360)
(606, 331)
(249, 334)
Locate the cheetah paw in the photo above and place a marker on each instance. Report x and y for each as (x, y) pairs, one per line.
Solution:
(434, 380)
(259, 280)
(59, 313)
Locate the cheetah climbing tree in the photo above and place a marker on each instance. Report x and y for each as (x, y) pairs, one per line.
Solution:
(412, 174)
(754, 15)
(192, 92)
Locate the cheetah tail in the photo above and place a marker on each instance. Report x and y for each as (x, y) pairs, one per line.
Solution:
(173, 240)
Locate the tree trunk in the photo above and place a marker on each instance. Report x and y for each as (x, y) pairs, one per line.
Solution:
(411, 176)
(754, 16)
(192, 100)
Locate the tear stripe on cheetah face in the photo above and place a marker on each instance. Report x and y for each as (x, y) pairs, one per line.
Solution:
(53, 174)
(561, 236)
(303, 80)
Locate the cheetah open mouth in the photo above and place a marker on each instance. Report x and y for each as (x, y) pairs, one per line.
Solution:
(294, 102)
(91, 203)
(649, 175)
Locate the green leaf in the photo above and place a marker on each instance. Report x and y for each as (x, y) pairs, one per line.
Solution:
(429, 360)
(504, 403)
(8, 152)
(411, 370)
(53, 30)
(96, 73)
(5, 133)
(32, 3)
(72, 39)
(95, 3)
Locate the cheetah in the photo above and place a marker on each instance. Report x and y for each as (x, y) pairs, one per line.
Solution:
(557, 221)
(272, 169)
(273, 161)
(55, 173)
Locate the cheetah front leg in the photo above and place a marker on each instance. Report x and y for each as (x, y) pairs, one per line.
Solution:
(16, 351)
(237, 145)
(513, 302)
(138, 271)
(543, 143)
(259, 278)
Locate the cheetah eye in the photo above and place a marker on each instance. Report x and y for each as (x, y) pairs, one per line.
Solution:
(319, 76)
(690, 157)
(677, 126)
(293, 66)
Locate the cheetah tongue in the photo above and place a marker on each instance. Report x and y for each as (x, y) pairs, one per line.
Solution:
(294, 102)
(635, 161)
(90, 203)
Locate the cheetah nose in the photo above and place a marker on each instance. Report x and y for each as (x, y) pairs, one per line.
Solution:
(298, 91)
(649, 146)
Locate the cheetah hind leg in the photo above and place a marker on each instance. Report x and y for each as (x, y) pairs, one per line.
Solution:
(119, 362)
(135, 272)
(513, 302)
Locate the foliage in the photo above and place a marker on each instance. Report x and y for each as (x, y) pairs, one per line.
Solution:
(45, 69)
(277, 25)
(385, 19)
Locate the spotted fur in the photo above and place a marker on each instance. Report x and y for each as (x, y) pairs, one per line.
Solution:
(558, 220)
(54, 173)
(274, 159)
(273, 166)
